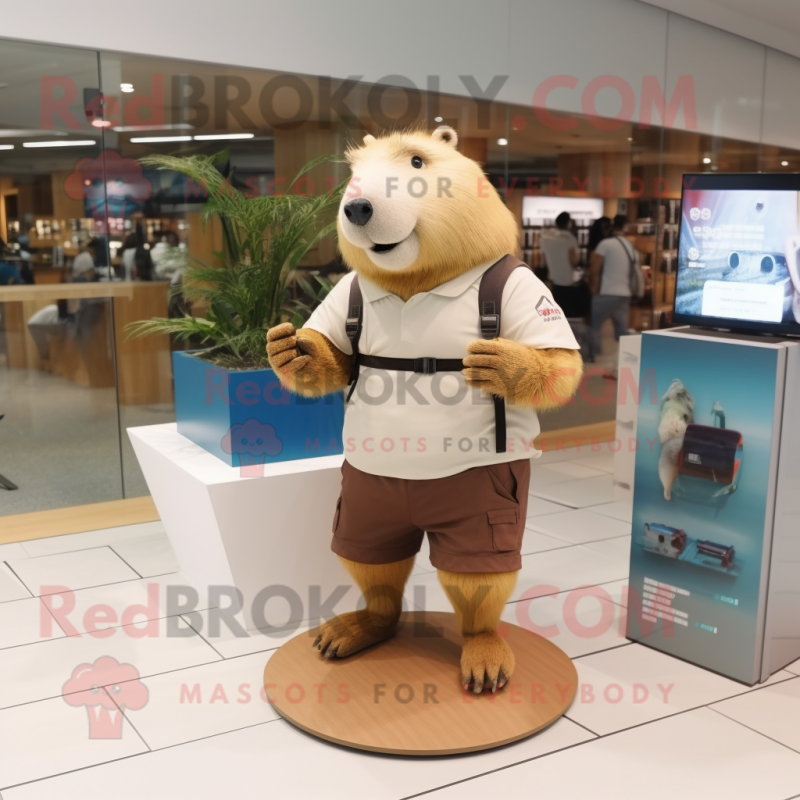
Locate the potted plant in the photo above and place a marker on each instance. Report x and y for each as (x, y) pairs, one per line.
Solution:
(227, 399)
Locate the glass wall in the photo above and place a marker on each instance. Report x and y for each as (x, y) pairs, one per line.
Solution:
(95, 240)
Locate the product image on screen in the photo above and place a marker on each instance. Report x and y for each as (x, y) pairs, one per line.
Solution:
(738, 253)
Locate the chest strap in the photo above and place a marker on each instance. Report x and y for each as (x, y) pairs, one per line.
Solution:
(425, 366)
(490, 298)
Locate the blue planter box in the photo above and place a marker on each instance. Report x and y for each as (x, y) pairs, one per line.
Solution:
(246, 417)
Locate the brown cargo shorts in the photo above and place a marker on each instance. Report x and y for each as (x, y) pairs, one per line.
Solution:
(474, 519)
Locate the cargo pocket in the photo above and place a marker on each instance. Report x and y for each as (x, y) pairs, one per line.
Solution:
(506, 530)
(336, 514)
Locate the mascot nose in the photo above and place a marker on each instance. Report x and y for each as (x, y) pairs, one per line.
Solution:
(358, 211)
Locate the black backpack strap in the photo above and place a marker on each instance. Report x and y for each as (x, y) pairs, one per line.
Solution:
(353, 325)
(490, 301)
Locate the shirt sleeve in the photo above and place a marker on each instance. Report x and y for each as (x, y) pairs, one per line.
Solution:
(602, 248)
(529, 315)
(330, 317)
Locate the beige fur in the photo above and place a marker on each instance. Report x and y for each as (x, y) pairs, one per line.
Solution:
(382, 587)
(478, 599)
(448, 246)
(541, 379)
(306, 362)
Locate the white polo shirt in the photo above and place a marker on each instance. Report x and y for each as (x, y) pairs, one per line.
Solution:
(410, 425)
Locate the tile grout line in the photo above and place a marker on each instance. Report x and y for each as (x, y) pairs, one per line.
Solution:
(125, 716)
(136, 755)
(748, 690)
(77, 769)
(760, 733)
(139, 624)
(199, 633)
(597, 737)
(55, 619)
(500, 769)
(97, 586)
(97, 531)
(78, 691)
(220, 660)
(24, 585)
(567, 545)
(124, 561)
(588, 730)
(419, 794)
(81, 549)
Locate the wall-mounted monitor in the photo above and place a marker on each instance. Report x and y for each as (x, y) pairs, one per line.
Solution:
(739, 253)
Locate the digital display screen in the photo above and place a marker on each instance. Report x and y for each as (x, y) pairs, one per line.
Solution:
(738, 253)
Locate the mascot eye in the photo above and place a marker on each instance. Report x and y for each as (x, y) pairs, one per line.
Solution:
(416, 162)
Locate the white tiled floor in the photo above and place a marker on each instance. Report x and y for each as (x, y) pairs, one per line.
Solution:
(576, 493)
(205, 732)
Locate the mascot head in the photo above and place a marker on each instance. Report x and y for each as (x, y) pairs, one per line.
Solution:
(417, 213)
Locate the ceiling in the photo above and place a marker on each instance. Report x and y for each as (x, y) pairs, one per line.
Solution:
(775, 23)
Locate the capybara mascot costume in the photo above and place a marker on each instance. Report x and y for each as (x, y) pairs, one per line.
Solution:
(447, 346)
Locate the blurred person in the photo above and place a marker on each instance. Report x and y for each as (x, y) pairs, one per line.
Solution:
(561, 251)
(168, 258)
(612, 264)
(43, 324)
(138, 255)
(128, 257)
(83, 266)
(9, 271)
(52, 319)
(600, 229)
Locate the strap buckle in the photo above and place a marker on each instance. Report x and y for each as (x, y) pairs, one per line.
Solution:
(427, 366)
(352, 325)
(490, 326)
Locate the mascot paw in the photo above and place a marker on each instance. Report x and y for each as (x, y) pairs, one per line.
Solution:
(496, 365)
(348, 633)
(486, 662)
(283, 351)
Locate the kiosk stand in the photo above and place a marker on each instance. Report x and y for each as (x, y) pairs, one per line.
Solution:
(715, 555)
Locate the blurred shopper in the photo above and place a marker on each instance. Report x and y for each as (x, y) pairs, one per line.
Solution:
(561, 251)
(168, 258)
(9, 271)
(600, 229)
(52, 320)
(83, 267)
(128, 257)
(614, 270)
(44, 323)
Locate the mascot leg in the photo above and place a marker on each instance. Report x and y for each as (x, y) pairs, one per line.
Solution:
(382, 588)
(478, 599)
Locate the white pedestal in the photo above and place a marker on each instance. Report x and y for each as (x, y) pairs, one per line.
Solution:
(255, 533)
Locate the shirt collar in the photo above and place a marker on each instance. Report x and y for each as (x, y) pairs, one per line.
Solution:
(453, 288)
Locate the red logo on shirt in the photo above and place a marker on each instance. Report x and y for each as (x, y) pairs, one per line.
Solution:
(548, 310)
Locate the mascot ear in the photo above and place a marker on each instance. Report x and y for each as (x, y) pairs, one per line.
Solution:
(445, 134)
(369, 138)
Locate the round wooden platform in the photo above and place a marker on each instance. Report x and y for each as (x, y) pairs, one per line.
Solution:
(404, 696)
